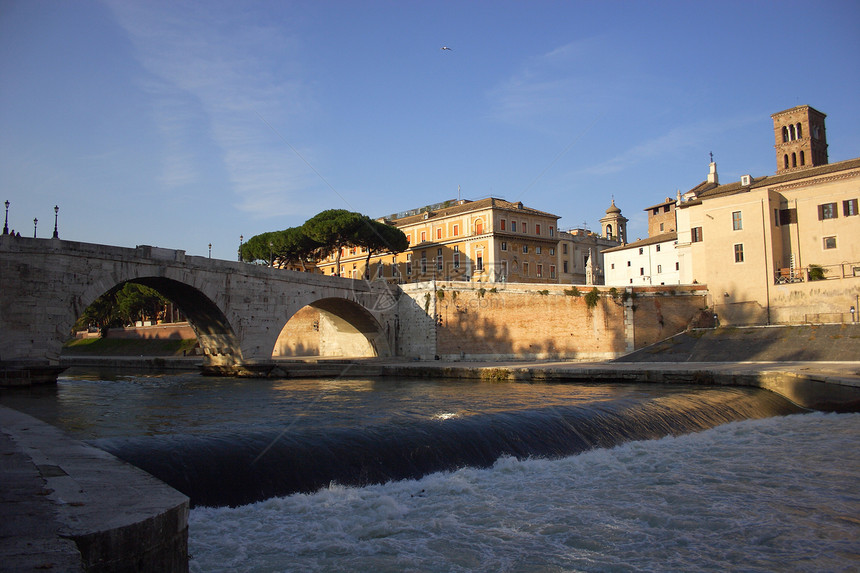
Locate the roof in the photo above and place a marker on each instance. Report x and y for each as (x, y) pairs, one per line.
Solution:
(707, 190)
(467, 206)
(667, 201)
(663, 238)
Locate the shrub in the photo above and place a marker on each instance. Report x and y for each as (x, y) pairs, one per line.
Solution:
(592, 297)
(571, 291)
(816, 272)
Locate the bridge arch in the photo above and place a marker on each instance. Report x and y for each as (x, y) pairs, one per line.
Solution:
(332, 326)
(214, 331)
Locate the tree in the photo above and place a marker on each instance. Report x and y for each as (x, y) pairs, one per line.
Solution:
(379, 237)
(334, 229)
(296, 246)
(122, 306)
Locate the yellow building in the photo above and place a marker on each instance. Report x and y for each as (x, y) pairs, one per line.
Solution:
(783, 248)
(488, 240)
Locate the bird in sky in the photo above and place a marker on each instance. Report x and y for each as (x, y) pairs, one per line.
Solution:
(446, 48)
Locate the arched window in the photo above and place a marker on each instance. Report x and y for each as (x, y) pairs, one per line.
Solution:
(791, 132)
(784, 134)
(608, 231)
(802, 158)
(799, 131)
(793, 159)
(785, 161)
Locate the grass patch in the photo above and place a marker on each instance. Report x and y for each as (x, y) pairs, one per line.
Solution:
(495, 375)
(128, 347)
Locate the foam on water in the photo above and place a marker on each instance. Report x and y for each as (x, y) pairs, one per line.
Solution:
(778, 494)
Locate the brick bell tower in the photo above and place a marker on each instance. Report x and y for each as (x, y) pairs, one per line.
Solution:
(801, 140)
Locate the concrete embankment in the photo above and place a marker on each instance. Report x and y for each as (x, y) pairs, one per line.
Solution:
(67, 506)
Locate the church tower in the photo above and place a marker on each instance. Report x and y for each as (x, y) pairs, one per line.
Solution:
(614, 225)
(800, 138)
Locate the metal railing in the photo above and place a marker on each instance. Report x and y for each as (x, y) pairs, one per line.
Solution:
(816, 273)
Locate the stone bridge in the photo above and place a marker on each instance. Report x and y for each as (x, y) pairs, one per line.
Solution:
(238, 310)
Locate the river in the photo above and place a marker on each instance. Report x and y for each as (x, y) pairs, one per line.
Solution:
(449, 475)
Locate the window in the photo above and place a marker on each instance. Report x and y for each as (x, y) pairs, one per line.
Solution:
(394, 270)
(380, 267)
(737, 221)
(739, 253)
(641, 250)
(628, 263)
(456, 257)
(697, 234)
(479, 227)
(525, 227)
(408, 238)
(513, 226)
(537, 229)
(552, 271)
(409, 264)
(439, 260)
(456, 230)
(829, 242)
(525, 248)
(787, 216)
(661, 227)
(439, 233)
(659, 269)
(827, 211)
(612, 266)
(423, 262)
(641, 271)
(537, 250)
(564, 266)
(502, 225)
(479, 262)
(540, 271)
(552, 250)
(677, 266)
(849, 207)
(657, 248)
(551, 232)
(525, 269)
(423, 236)
(564, 248)
(504, 245)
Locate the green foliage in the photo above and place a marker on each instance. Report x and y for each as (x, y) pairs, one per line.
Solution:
(481, 292)
(494, 290)
(122, 306)
(592, 298)
(440, 294)
(816, 272)
(543, 292)
(572, 291)
(613, 292)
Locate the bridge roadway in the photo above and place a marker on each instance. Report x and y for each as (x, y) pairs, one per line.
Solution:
(238, 310)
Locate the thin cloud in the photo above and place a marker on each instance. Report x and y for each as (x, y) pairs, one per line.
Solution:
(212, 72)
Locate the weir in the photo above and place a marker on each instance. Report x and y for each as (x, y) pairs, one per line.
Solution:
(241, 468)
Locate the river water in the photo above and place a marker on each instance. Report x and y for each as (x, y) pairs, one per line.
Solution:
(443, 475)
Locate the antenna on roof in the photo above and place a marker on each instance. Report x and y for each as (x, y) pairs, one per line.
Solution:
(458, 193)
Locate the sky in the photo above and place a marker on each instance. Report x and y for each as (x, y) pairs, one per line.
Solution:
(185, 124)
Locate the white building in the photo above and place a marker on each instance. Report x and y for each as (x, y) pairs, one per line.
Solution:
(651, 261)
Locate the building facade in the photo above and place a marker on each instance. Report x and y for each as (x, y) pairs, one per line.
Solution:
(783, 248)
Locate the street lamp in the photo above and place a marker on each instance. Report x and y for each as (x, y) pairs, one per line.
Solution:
(241, 238)
(852, 313)
(35, 222)
(210, 250)
(6, 224)
(56, 213)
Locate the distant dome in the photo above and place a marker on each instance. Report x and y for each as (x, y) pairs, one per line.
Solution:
(613, 209)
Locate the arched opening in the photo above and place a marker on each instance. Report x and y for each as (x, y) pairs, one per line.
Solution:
(785, 160)
(608, 233)
(802, 158)
(791, 132)
(479, 227)
(799, 131)
(189, 324)
(332, 327)
(784, 134)
(793, 159)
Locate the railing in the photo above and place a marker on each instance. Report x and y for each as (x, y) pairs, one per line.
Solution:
(829, 318)
(816, 273)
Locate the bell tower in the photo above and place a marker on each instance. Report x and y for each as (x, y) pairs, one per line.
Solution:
(614, 225)
(801, 141)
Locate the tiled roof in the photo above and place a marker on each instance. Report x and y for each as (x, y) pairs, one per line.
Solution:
(663, 238)
(707, 190)
(468, 206)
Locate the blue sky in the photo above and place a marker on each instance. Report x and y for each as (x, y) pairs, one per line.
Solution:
(179, 124)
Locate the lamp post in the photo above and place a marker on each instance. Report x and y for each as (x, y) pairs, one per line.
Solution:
(853, 310)
(35, 222)
(56, 214)
(6, 224)
(241, 238)
(210, 250)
